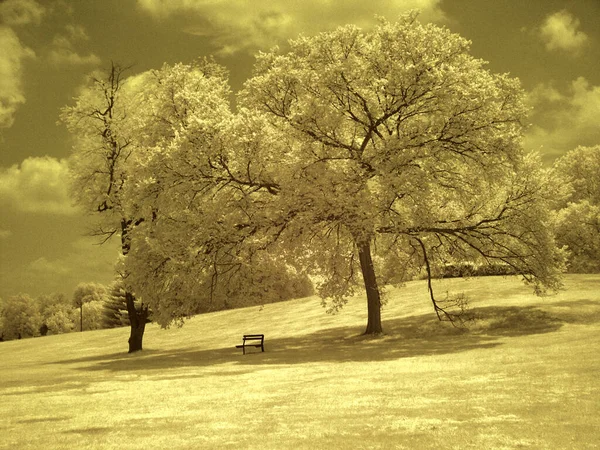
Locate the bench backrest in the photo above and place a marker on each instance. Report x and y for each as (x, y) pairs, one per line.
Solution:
(254, 337)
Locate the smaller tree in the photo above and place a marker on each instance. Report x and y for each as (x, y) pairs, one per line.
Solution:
(86, 293)
(578, 228)
(577, 224)
(118, 127)
(21, 317)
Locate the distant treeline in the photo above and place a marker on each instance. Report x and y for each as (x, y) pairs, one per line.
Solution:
(94, 306)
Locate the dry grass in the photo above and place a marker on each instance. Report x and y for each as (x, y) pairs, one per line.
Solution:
(524, 376)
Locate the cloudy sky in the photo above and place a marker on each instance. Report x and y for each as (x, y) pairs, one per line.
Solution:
(47, 47)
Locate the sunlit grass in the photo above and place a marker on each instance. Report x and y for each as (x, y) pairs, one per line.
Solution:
(524, 376)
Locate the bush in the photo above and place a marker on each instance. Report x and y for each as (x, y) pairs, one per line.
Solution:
(61, 319)
(468, 269)
(58, 315)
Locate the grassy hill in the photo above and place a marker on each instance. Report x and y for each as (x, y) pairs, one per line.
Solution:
(524, 376)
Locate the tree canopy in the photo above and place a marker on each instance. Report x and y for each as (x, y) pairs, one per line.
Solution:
(350, 154)
(404, 140)
(578, 212)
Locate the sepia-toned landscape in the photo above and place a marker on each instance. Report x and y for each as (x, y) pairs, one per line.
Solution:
(320, 224)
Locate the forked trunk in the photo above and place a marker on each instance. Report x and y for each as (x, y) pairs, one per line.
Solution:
(137, 320)
(373, 298)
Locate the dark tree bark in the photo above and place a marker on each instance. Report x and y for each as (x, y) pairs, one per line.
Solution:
(138, 319)
(373, 297)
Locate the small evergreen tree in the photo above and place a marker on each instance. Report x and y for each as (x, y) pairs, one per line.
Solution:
(115, 307)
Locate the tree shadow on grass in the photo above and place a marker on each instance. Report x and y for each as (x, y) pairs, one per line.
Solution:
(405, 337)
(513, 321)
(581, 312)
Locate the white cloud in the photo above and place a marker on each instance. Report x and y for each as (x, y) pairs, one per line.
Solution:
(564, 120)
(21, 12)
(60, 56)
(77, 33)
(38, 185)
(63, 51)
(75, 259)
(80, 260)
(543, 93)
(11, 60)
(13, 53)
(559, 32)
(43, 265)
(236, 25)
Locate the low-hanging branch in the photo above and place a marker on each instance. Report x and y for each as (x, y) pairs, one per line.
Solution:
(457, 319)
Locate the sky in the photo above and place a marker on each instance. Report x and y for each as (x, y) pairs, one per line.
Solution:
(47, 47)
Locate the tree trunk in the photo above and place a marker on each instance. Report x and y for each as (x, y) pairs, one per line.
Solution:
(137, 320)
(373, 298)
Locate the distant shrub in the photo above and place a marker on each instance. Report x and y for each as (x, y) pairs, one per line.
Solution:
(494, 269)
(260, 285)
(61, 319)
(468, 269)
(58, 314)
(21, 317)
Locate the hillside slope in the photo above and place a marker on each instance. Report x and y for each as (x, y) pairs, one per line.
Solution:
(523, 376)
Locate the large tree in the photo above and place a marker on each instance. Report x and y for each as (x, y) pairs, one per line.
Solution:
(352, 149)
(406, 144)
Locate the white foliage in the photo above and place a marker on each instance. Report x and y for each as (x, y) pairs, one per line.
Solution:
(396, 140)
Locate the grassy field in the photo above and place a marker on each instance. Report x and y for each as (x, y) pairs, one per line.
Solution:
(526, 375)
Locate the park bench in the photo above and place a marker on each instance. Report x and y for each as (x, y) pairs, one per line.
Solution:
(255, 338)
